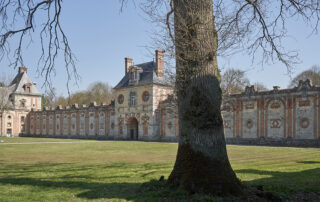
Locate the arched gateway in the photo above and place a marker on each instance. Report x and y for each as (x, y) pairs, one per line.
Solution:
(132, 128)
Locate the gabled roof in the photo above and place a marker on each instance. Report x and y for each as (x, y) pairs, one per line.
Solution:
(148, 76)
(19, 81)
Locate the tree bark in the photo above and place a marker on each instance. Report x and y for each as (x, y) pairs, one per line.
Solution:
(202, 164)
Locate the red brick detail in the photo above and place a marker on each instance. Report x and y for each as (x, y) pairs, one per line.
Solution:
(294, 118)
(107, 129)
(250, 106)
(262, 117)
(304, 103)
(77, 123)
(86, 123)
(289, 117)
(241, 119)
(275, 106)
(258, 118)
(61, 124)
(47, 123)
(145, 128)
(176, 126)
(54, 124)
(315, 117)
(318, 116)
(163, 122)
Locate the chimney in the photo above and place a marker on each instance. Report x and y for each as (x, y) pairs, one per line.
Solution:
(159, 63)
(128, 63)
(22, 69)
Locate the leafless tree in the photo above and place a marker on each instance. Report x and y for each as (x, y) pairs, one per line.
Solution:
(200, 30)
(5, 103)
(312, 74)
(98, 92)
(20, 18)
(49, 98)
(260, 86)
(233, 81)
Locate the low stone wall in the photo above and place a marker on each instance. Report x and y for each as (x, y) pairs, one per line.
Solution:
(274, 142)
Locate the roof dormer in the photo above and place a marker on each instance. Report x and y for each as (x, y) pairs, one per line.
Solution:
(27, 88)
(134, 75)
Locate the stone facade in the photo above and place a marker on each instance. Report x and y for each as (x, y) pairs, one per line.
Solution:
(21, 96)
(141, 110)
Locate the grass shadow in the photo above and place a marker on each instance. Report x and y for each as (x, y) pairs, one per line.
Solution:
(308, 162)
(285, 182)
(149, 191)
(280, 182)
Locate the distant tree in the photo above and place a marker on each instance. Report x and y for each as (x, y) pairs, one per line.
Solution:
(49, 98)
(80, 98)
(312, 74)
(233, 81)
(5, 103)
(61, 101)
(98, 92)
(260, 86)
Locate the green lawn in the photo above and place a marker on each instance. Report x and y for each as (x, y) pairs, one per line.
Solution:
(115, 170)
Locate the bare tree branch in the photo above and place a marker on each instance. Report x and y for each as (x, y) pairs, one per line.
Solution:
(52, 36)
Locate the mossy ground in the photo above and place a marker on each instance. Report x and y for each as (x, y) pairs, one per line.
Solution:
(119, 170)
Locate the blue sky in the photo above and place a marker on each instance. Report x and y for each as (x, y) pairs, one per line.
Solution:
(101, 36)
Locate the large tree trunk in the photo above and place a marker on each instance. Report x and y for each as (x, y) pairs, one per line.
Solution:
(202, 164)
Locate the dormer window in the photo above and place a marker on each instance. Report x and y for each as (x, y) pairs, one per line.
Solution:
(134, 75)
(27, 87)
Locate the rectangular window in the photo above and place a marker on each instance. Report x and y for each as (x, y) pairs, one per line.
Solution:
(132, 99)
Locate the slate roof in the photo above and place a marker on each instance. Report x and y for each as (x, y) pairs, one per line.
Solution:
(19, 81)
(148, 76)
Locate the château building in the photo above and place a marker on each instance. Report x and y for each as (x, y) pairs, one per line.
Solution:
(17, 99)
(144, 109)
(141, 110)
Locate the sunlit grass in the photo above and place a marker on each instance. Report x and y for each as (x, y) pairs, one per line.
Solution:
(115, 170)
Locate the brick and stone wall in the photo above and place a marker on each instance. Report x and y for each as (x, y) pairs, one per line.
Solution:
(279, 117)
(88, 122)
(288, 117)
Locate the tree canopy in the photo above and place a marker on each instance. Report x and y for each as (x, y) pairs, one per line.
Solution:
(98, 92)
(313, 74)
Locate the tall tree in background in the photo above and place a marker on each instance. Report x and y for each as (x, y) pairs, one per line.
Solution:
(233, 81)
(5, 103)
(260, 86)
(199, 34)
(49, 98)
(312, 74)
(98, 92)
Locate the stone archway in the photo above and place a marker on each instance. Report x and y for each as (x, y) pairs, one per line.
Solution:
(132, 128)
